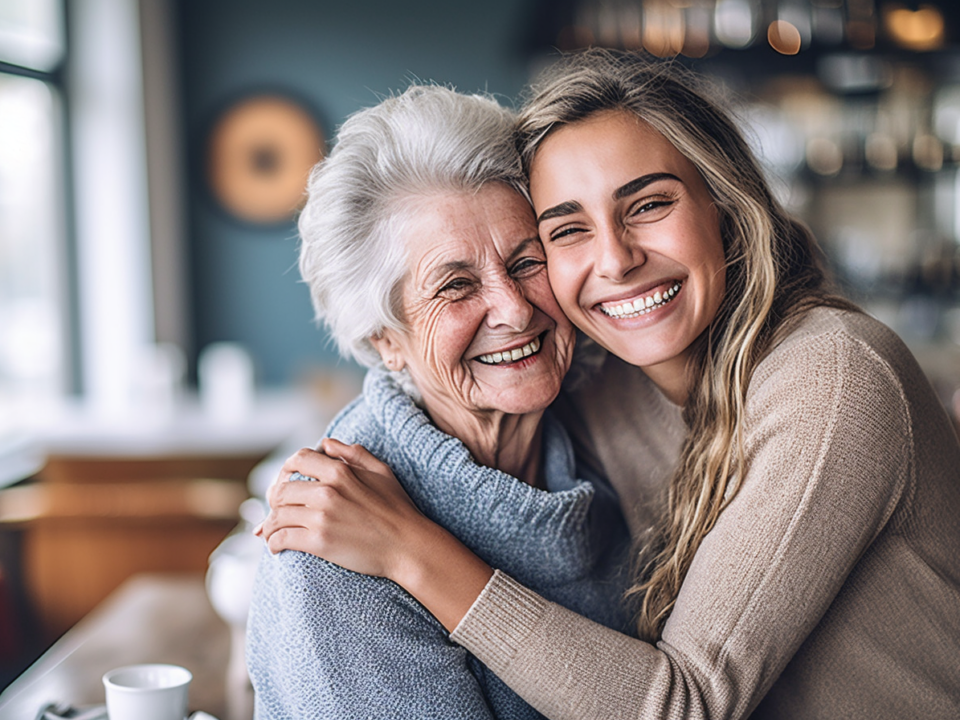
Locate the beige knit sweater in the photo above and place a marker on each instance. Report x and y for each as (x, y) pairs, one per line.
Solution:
(830, 586)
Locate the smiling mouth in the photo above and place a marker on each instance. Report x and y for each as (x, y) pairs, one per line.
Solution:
(508, 357)
(641, 305)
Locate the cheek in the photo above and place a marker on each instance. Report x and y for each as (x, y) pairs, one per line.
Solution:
(539, 293)
(445, 335)
(564, 275)
(712, 271)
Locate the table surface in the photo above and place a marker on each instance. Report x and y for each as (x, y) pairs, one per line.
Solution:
(150, 618)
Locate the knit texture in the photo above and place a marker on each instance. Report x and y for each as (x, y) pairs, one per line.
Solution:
(324, 642)
(829, 587)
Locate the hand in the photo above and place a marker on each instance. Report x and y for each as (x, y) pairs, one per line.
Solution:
(355, 515)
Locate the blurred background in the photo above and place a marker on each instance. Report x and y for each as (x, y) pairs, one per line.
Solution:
(156, 343)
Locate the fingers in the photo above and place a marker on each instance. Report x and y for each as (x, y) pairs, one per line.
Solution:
(305, 461)
(296, 463)
(288, 517)
(355, 455)
(312, 494)
(291, 538)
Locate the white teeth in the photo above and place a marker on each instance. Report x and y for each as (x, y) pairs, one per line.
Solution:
(508, 356)
(641, 306)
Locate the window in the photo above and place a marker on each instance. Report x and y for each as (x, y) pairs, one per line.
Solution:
(32, 217)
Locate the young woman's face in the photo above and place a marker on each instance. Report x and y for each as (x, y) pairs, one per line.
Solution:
(632, 237)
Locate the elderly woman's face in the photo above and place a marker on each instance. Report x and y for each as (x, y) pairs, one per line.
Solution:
(484, 332)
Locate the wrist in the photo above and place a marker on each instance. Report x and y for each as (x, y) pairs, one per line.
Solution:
(441, 573)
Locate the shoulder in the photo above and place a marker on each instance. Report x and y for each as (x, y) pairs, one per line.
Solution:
(838, 396)
(836, 351)
(360, 422)
(352, 423)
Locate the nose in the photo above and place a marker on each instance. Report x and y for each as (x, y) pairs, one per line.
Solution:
(508, 306)
(616, 253)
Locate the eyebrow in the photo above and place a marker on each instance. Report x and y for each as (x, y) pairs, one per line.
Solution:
(572, 206)
(445, 269)
(453, 266)
(522, 247)
(640, 183)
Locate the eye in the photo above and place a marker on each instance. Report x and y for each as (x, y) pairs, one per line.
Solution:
(456, 288)
(527, 266)
(565, 233)
(651, 207)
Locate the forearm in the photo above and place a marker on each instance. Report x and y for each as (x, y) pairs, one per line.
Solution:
(440, 572)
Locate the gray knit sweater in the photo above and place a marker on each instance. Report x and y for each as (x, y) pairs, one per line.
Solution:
(324, 642)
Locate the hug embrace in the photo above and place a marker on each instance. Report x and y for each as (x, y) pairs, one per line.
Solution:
(620, 453)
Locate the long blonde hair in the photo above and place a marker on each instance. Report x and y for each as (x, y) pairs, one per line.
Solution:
(773, 275)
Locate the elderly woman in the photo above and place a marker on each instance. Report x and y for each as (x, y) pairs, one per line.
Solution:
(423, 259)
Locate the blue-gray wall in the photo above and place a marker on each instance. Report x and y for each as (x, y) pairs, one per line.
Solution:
(338, 57)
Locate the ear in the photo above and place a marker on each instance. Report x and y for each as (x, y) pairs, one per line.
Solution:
(388, 345)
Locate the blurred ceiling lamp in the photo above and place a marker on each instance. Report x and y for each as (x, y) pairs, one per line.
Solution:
(880, 151)
(784, 37)
(824, 156)
(734, 22)
(921, 29)
(663, 28)
(928, 152)
(694, 28)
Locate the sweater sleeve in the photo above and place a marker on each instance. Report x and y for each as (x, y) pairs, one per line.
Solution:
(324, 643)
(829, 450)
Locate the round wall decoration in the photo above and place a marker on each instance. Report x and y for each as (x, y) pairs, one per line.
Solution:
(260, 155)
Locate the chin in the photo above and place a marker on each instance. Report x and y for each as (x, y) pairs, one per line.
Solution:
(528, 399)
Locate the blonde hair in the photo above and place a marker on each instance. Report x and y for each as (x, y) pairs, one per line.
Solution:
(773, 275)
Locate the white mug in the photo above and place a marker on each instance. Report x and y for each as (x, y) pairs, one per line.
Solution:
(147, 692)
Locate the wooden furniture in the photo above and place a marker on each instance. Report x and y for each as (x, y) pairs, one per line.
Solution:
(118, 496)
(150, 618)
(80, 541)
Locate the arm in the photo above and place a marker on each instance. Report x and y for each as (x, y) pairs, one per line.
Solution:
(325, 643)
(359, 517)
(829, 446)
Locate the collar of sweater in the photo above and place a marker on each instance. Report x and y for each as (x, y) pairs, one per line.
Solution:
(535, 535)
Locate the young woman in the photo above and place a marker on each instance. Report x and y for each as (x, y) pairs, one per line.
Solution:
(805, 561)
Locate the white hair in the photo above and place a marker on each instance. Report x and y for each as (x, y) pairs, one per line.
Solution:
(428, 140)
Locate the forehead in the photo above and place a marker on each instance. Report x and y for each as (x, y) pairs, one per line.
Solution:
(615, 141)
(466, 227)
